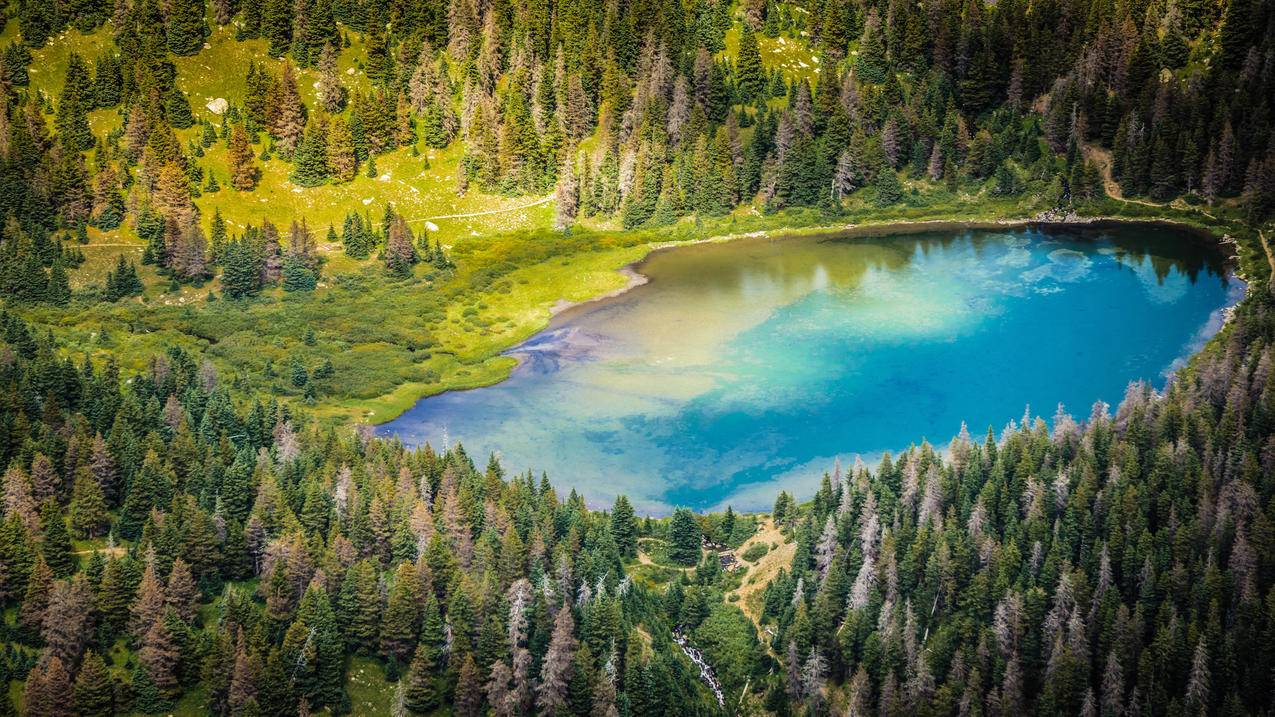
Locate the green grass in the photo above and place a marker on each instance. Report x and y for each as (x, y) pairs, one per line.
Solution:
(790, 55)
(394, 342)
(370, 692)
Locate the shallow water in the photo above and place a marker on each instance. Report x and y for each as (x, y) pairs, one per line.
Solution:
(747, 367)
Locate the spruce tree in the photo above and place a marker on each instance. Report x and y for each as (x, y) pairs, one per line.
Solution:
(624, 527)
(276, 25)
(684, 537)
(55, 544)
(186, 28)
(341, 160)
(310, 164)
(422, 695)
(750, 75)
(73, 107)
(887, 187)
(94, 693)
(241, 271)
(59, 291)
(400, 248)
(89, 517)
(243, 170)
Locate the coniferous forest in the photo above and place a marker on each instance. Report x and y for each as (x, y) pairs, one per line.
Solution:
(236, 233)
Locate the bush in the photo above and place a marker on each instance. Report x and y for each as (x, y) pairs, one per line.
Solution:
(755, 552)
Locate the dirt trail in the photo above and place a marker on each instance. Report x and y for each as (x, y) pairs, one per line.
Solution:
(765, 569)
(1270, 257)
(1102, 159)
(536, 203)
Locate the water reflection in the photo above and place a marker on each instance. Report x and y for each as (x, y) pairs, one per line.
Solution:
(745, 367)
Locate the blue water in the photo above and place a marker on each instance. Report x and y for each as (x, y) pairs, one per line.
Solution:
(747, 367)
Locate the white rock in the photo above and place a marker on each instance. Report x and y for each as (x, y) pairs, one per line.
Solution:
(350, 71)
(367, 201)
(218, 106)
(431, 226)
(384, 177)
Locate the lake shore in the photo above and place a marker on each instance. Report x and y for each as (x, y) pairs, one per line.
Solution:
(631, 271)
(635, 278)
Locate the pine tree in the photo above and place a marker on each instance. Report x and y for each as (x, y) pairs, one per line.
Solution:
(47, 688)
(89, 516)
(73, 107)
(750, 75)
(684, 537)
(887, 187)
(311, 160)
(55, 542)
(871, 65)
(243, 170)
(422, 686)
(555, 671)
(401, 620)
(289, 122)
(177, 109)
(297, 276)
(359, 607)
(180, 594)
(94, 693)
(400, 248)
(331, 92)
(468, 696)
(341, 159)
(624, 527)
(241, 271)
(149, 605)
(276, 25)
(568, 196)
(59, 291)
(68, 619)
(160, 657)
(186, 28)
(35, 600)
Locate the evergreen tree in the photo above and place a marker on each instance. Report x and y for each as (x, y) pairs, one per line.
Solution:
(59, 291)
(243, 170)
(311, 161)
(241, 271)
(684, 537)
(73, 107)
(887, 187)
(276, 25)
(749, 72)
(422, 688)
(89, 516)
(186, 28)
(55, 542)
(400, 248)
(297, 276)
(94, 693)
(624, 527)
(341, 160)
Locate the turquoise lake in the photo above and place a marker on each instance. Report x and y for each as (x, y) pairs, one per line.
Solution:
(746, 367)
